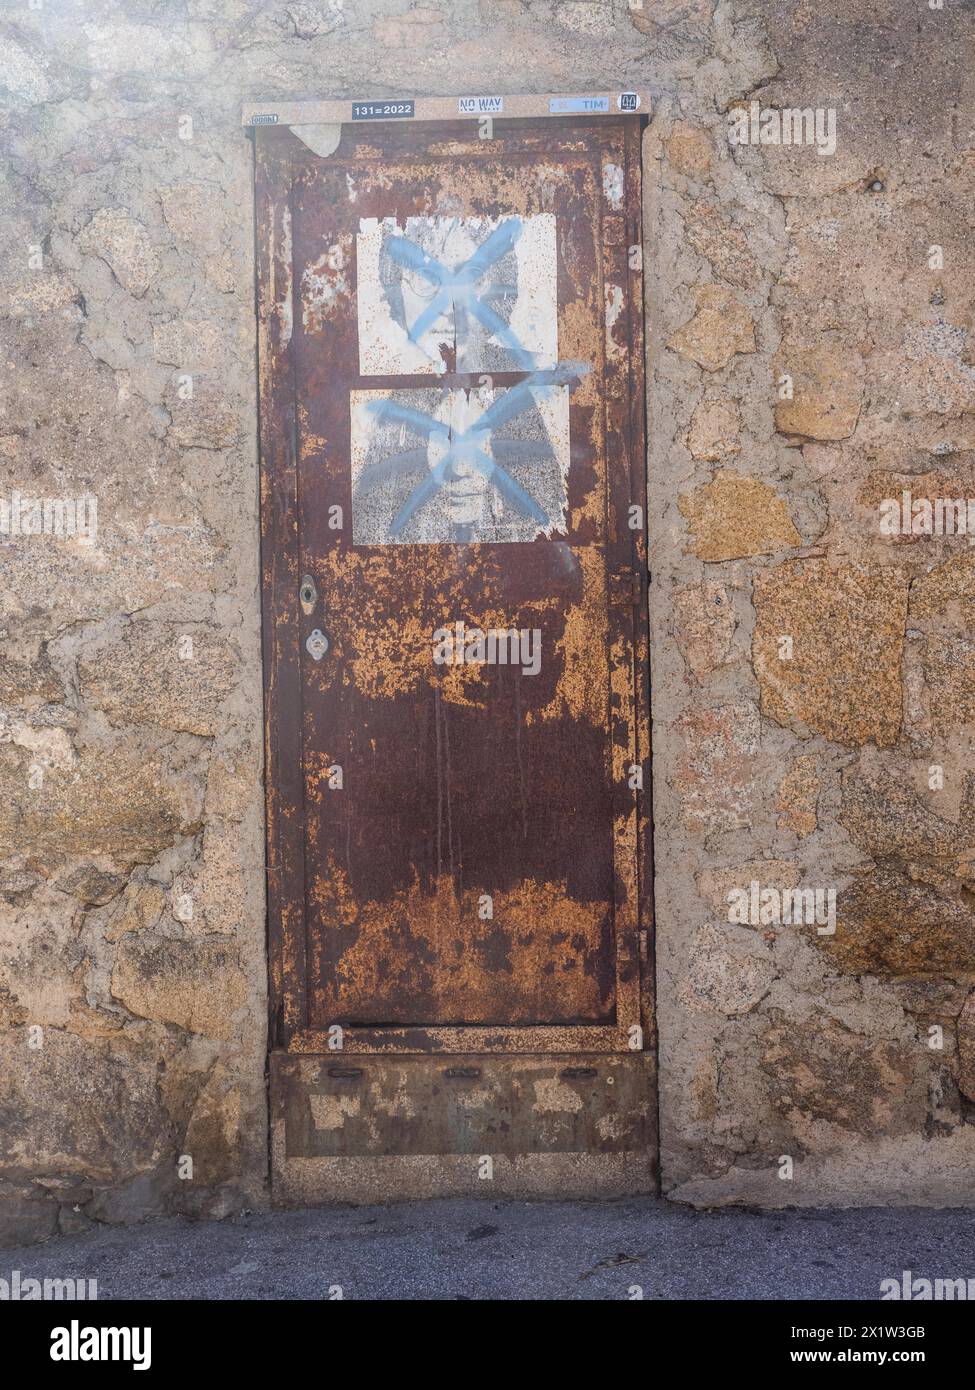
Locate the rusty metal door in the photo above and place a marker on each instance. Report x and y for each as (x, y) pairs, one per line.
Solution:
(455, 648)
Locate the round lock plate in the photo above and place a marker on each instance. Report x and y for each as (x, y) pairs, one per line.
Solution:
(317, 644)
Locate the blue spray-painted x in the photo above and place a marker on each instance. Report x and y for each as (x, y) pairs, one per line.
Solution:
(468, 446)
(456, 288)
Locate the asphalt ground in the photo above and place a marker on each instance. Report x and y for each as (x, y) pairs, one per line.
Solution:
(496, 1250)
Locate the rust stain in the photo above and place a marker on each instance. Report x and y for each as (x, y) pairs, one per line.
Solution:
(325, 284)
(583, 685)
(541, 952)
(384, 611)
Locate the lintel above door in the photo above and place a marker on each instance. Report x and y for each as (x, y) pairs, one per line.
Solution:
(331, 111)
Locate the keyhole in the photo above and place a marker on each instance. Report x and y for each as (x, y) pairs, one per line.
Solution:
(307, 595)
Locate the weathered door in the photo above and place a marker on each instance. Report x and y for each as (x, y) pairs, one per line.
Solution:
(456, 658)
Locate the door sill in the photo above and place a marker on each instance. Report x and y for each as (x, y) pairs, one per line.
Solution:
(376, 1129)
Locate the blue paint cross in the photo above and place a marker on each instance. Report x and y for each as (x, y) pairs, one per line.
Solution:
(468, 446)
(456, 288)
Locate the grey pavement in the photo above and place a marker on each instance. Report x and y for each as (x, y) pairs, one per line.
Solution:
(481, 1249)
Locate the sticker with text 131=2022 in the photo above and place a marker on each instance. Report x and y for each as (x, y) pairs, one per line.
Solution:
(381, 110)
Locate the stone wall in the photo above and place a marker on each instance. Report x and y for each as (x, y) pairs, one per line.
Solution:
(132, 952)
(810, 358)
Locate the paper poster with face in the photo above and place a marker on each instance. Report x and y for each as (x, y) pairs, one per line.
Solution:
(462, 466)
(485, 287)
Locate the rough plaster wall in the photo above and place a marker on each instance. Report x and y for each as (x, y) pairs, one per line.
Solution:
(153, 1026)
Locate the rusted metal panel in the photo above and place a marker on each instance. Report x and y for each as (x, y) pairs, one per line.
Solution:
(452, 434)
(332, 1107)
(368, 1129)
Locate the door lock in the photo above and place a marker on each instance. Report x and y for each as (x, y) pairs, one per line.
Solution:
(317, 644)
(307, 595)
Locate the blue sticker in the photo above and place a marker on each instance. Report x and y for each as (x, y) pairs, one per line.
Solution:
(559, 106)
